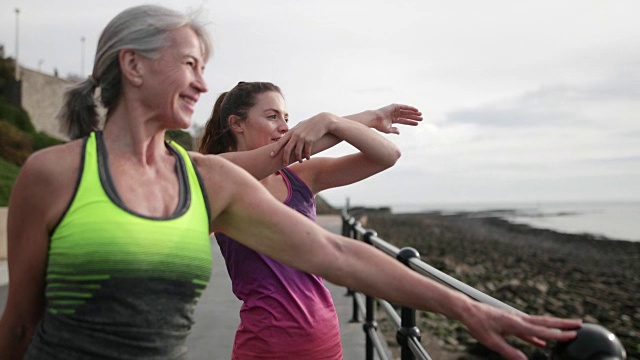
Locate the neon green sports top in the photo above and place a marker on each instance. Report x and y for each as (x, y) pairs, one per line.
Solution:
(122, 285)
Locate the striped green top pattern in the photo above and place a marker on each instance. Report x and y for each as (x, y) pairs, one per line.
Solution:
(122, 285)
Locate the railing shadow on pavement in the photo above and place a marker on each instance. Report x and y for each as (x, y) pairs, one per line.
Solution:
(593, 342)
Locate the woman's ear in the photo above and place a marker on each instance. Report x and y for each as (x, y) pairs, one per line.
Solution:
(236, 124)
(131, 66)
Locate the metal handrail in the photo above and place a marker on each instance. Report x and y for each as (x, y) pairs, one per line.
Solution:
(408, 335)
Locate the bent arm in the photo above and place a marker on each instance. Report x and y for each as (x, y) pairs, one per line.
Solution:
(376, 153)
(315, 135)
(382, 119)
(266, 160)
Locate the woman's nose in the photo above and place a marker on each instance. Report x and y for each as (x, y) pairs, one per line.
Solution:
(283, 127)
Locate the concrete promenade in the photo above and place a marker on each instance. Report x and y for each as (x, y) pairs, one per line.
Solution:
(217, 312)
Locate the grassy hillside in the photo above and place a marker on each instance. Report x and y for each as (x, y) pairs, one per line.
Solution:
(18, 139)
(8, 174)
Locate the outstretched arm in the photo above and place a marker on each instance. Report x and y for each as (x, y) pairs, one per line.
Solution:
(243, 209)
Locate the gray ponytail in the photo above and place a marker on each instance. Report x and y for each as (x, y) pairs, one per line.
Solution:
(78, 114)
(141, 28)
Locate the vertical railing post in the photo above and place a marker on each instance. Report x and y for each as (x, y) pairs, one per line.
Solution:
(408, 326)
(348, 231)
(370, 321)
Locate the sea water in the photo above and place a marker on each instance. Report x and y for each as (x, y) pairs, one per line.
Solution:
(613, 220)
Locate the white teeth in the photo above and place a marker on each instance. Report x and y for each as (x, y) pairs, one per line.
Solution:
(189, 100)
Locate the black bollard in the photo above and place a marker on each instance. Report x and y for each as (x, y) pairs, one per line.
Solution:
(593, 342)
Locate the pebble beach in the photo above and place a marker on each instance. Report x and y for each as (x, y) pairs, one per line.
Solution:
(534, 270)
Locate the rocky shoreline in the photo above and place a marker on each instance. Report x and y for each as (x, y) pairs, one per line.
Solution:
(534, 270)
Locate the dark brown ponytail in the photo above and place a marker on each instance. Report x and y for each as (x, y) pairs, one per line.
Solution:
(217, 138)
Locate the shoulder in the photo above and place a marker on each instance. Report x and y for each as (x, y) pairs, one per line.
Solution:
(225, 182)
(209, 164)
(55, 161)
(219, 173)
(47, 180)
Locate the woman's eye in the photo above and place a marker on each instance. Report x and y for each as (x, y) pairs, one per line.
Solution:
(272, 117)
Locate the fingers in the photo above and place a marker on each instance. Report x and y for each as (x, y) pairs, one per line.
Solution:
(307, 150)
(536, 329)
(293, 144)
(408, 117)
(406, 121)
(302, 137)
(535, 341)
(410, 112)
(280, 144)
(287, 151)
(403, 107)
(295, 147)
(411, 115)
(399, 110)
(497, 325)
(298, 152)
(550, 321)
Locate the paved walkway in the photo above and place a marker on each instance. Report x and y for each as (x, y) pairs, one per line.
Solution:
(217, 312)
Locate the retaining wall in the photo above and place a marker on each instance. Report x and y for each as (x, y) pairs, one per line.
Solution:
(41, 97)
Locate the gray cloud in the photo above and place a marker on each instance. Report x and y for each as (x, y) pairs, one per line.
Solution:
(558, 105)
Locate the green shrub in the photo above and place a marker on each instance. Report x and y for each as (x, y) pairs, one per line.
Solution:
(42, 140)
(15, 145)
(7, 70)
(183, 138)
(8, 175)
(16, 117)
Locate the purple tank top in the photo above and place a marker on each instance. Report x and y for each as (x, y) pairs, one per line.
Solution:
(286, 313)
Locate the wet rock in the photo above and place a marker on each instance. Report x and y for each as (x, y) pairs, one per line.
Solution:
(534, 270)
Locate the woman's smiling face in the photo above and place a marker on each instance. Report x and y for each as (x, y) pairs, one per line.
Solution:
(266, 122)
(174, 80)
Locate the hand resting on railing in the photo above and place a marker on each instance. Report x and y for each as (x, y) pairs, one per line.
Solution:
(351, 265)
(491, 326)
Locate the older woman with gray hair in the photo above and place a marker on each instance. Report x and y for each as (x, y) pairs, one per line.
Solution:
(109, 233)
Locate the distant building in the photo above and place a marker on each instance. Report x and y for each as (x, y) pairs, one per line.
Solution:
(41, 96)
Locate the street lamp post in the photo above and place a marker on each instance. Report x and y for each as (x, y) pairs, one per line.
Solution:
(82, 56)
(17, 42)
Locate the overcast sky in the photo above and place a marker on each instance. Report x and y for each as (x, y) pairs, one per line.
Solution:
(523, 101)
